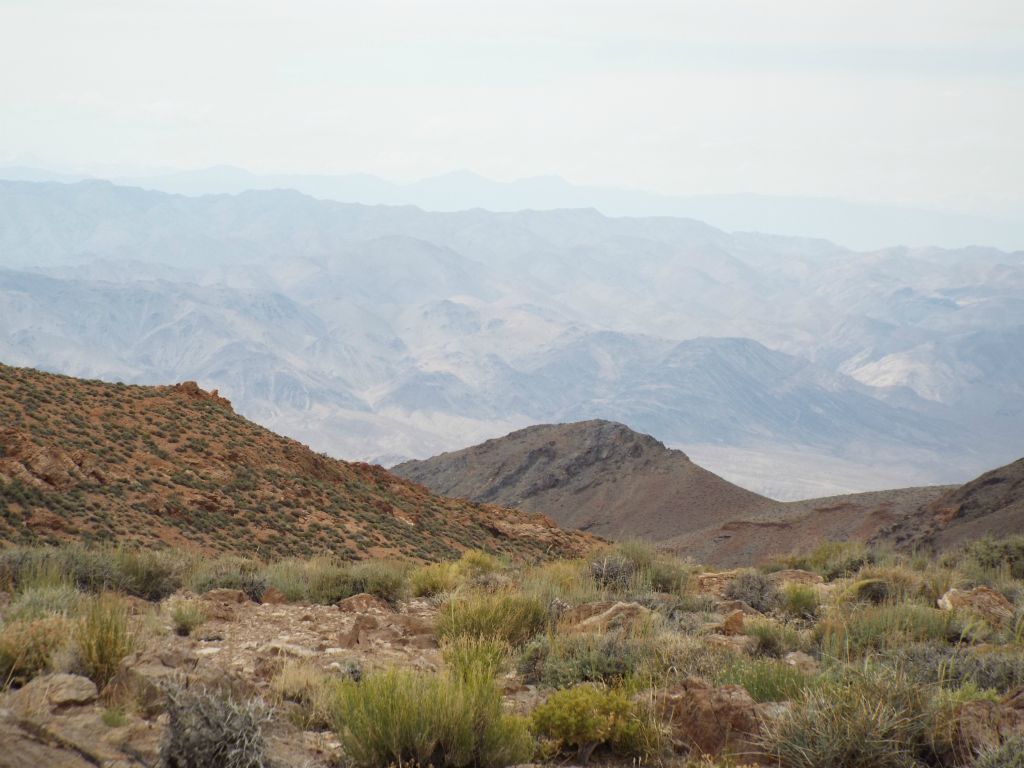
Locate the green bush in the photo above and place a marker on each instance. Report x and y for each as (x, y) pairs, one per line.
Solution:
(149, 575)
(875, 591)
(103, 637)
(589, 716)
(466, 655)
(862, 628)
(36, 602)
(835, 559)
(755, 589)
(383, 578)
(561, 661)
(504, 616)
(772, 639)
(229, 573)
(397, 717)
(433, 579)
(800, 601)
(992, 553)
(997, 669)
(764, 679)
(186, 615)
(212, 730)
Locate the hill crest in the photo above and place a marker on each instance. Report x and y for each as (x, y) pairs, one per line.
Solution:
(175, 465)
(596, 475)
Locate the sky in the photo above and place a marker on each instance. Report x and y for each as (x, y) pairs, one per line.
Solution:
(918, 102)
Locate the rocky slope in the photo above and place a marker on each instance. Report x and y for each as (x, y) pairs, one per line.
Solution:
(91, 461)
(989, 505)
(597, 476)
(934, 517)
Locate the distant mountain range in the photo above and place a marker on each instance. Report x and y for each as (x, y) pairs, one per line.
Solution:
(857, 225)
(792, 367)
(605, 478)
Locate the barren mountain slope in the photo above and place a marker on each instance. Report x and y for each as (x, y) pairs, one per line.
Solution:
(798, 526)
(91, 461)
(989, 505)
(598, 476)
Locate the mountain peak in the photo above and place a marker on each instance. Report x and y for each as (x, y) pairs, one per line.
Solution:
(595, 475)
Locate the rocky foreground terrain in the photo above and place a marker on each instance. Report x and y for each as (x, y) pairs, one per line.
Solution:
(855, 659)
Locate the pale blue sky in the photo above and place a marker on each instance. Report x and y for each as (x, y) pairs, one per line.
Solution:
(915, 101)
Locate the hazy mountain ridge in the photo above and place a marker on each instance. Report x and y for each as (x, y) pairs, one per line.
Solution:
(388, 333)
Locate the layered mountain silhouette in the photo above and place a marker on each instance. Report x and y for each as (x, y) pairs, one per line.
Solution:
(174, 465)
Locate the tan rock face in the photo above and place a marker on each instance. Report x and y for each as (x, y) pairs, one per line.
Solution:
(53, 692)
(600, 617)
(710, 721)
(733, 624)
(983, 602)
(364, 603)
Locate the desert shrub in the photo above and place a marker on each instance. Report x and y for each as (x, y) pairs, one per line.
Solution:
(36, 602)
(637, 567)
(764, 679)
(186, 615)
(755, 589)
(992, 553)
(323, 580)
(875, 591)
(561, 661)
(799, 601)
(589, 716)
(87, 569)
(229, 573)
(385, 579)
(465, 655)
(1010, 754)
(772, 639)
(309, 690)
(475, 563)
(27, 648)
(213, 730)
(997, 669)
(149, 575)
(505, 616)
(103, 637)
(857, 719)
(433, 579)
(876, 627)
(835, 559)
(566, 581)
(400, 716)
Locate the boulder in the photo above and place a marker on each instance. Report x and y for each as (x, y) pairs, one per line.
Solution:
(229, 596)
(600, 617)
(801, 662)
(273, 596)
(364, 603)
(50, 693)
(704, 720)
(732, 624)
(983, 602)
(715, 583)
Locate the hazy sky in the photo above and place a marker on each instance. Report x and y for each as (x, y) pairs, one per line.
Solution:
(918, 101)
